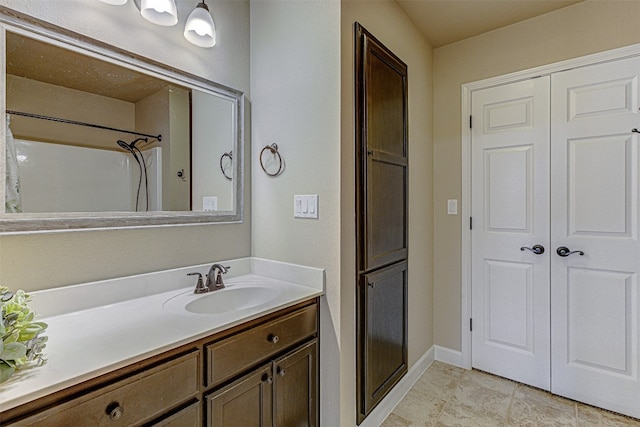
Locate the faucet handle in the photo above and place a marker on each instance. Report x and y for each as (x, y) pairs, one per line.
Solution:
(200, 287)
(221, 270)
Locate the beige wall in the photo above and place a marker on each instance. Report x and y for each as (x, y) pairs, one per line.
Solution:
(32, 96)
(295, 97)
(581, 29)
(39, 261)
(393, 28)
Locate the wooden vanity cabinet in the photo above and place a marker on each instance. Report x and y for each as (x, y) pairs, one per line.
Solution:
(275, 366)
(260, 373)
(281, 393)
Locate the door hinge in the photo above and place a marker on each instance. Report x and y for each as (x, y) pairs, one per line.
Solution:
(470, 223)
(470, 325)
(470, 122)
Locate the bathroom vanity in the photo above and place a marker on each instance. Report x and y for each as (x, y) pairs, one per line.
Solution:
(248, 365)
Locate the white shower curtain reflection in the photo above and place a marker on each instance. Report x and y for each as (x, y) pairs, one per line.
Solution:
(13, 202)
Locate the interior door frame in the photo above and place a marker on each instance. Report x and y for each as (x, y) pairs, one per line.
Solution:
(464, 360)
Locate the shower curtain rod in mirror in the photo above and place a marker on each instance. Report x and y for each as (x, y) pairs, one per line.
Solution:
(74, 122)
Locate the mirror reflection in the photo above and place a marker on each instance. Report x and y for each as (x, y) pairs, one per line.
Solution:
(90, 135)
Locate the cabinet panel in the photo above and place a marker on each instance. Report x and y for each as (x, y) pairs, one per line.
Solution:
(383, 342)
(247, 402)
(386, 213)
(240, 352)
(385, 93)
(128, 402)
(296, 387)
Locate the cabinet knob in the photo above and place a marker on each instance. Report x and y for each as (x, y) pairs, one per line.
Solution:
(281, 372)
(266, 378)
(273, 338)
(115, 411)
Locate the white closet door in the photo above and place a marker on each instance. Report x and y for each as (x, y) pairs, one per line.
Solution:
(510, 209)
(594, 200)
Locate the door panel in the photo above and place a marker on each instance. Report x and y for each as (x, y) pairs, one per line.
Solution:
(600, 206)
(507, 190)
(510, 192)
(594, 192)
(509, 305)
(599, 333)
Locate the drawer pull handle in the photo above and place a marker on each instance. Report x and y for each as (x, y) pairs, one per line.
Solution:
(273, 339)
(282, 372)
(115, 411)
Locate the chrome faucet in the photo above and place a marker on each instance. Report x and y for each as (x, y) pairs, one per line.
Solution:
(213, 284)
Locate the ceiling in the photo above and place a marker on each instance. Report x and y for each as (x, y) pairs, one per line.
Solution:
(441, 22)
(47, 63)
(447, 21)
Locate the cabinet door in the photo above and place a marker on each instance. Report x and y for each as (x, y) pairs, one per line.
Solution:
(382, 347)
(246, 402)
(296, 387)
(382, 154)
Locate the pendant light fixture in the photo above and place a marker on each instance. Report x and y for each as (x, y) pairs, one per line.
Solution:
(200, 29)
(160, 12)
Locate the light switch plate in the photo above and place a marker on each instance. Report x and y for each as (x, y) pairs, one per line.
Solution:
(209, 203)
(452, 206)
(305, 206)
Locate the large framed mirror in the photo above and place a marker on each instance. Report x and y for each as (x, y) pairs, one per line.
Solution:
(96, 137)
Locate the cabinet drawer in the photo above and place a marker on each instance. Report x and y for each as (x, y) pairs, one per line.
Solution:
(139, 398)
(187, 417)
(237, 353)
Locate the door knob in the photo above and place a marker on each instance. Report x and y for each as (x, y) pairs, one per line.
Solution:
(564, 251)
(536, 249)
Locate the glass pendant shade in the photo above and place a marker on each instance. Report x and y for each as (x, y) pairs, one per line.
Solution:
(200, 29)
(114, 2)
(160, 12)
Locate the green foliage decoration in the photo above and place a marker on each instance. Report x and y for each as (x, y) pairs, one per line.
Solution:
(22, 343)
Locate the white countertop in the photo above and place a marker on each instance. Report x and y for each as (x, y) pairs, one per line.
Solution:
(98, 327)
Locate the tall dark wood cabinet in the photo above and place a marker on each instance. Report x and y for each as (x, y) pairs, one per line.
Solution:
(381, 202)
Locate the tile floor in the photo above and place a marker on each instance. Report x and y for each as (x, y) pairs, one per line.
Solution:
(449, 396)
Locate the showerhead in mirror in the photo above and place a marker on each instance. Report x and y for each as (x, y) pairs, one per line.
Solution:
(131, 148)
(125, 146)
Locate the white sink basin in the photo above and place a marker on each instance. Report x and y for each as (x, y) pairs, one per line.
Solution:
(231, 298)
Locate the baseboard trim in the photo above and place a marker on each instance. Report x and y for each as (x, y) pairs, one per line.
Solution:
(388, 404)
(449, 356)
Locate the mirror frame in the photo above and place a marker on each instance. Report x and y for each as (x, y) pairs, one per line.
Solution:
(13, 21)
